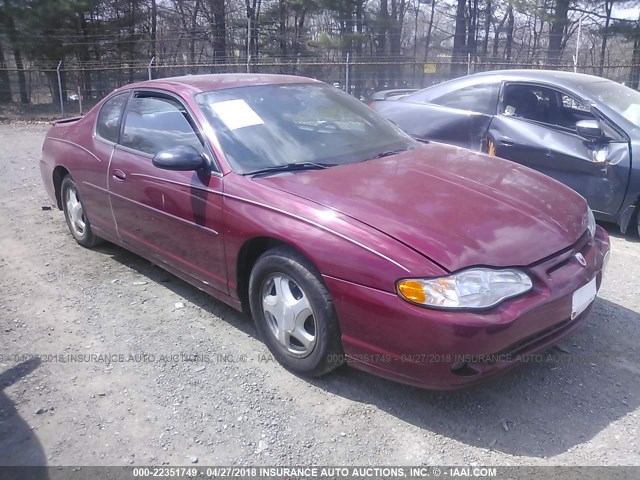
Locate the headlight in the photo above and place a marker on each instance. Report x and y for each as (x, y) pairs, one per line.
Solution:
(475, 288)
(591, 222)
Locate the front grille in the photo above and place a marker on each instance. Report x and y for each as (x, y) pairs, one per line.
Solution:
(563, 259)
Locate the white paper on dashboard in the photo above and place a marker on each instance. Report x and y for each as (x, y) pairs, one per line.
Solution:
(236, 114)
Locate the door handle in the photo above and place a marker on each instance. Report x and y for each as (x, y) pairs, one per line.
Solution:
(506, 141)
(119, 175)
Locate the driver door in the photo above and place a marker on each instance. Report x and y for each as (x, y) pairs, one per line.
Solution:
(173, 216)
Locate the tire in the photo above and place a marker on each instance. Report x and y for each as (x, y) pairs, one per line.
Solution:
(294, 313)
(74, 213)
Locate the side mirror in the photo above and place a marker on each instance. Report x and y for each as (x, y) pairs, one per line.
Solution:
(589, 129)
(183, 158)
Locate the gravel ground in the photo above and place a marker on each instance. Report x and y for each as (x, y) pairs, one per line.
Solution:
(195, 385)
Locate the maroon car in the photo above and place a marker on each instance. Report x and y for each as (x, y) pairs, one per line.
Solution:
(344, 238)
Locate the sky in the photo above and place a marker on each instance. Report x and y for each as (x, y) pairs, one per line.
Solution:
(630, 13)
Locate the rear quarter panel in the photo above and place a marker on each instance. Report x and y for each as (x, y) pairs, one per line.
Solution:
(72, 146)
(441, 124)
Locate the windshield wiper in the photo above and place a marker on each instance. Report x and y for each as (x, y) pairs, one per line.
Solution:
(389, 153)
(292, 167)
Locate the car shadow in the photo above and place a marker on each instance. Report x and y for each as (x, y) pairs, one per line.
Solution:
(19, 445)
(539, 409)
(614, 231)
(185, 290)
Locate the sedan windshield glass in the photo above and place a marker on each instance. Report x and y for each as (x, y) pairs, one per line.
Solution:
(268, 126)
(623, 100)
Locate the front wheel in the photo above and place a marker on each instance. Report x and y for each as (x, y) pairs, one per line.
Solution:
(294, 313)
(75, 214)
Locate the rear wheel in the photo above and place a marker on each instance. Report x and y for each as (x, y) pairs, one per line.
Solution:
(74, 213)
(294, 313)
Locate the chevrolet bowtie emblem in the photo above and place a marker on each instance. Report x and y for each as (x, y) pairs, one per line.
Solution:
(580, 258)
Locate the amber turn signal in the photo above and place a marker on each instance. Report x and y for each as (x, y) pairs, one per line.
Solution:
(412, 290)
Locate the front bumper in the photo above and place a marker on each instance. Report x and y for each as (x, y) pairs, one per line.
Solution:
(444, 350)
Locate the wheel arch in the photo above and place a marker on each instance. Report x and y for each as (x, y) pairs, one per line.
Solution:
(249, 253)
(629, 216)
(58, 175)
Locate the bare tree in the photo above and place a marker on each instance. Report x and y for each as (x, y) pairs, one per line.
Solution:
(7, 17)
(429, 30)
(5, 84)
(459, 52)
(558, 30)
(608, 8)
(508, 47)
(218, 30)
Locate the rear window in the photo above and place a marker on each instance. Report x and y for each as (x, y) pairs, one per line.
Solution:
(108, 123)
(481, 98)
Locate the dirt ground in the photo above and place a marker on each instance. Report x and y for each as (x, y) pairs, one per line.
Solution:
(189, 382)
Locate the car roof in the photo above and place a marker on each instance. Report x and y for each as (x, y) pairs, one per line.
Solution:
(563, 79)
(566, 80)
(216, 81)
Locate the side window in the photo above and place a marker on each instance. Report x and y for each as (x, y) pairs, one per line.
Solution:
(544, 105)
(573, 110)
(573, 104)
(109, 117)
(529, 101)
(153, 124)
(475, 98)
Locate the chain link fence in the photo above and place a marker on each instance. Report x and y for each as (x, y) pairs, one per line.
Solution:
(68, 89)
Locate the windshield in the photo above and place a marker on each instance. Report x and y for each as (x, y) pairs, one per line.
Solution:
(623, 100)
(275, 125)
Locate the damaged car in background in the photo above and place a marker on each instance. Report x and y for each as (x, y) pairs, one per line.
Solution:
(582, 130)
(344, 238)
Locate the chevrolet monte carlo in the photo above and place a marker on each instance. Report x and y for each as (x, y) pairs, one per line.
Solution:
(344, 238)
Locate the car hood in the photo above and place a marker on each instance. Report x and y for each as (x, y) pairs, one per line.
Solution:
(454, 206)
